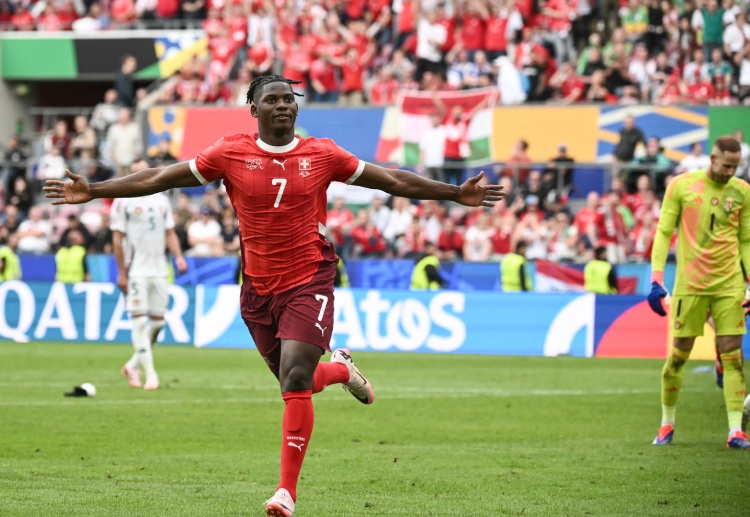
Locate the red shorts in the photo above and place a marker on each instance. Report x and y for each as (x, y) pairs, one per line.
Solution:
(303, 313)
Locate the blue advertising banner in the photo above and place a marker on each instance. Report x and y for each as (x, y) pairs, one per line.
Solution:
(471, 322)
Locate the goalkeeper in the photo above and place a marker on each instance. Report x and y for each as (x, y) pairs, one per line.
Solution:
(711, 208)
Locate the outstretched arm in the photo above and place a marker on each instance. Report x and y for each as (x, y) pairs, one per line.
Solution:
(141, 183)
(407, 184)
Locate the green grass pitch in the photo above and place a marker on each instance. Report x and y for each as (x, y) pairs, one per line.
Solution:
(447, 436)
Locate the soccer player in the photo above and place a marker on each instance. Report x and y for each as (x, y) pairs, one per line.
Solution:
(712, 211)
(142, 228)
(277, 184)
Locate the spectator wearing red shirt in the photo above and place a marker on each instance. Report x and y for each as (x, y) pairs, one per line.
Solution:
(352, 76)
(501, 25)
(323, 79)
(260, 56)
(237, 26)
(296, 65)
(518, 164)
(49, 21)
(473, 27)
(610, 229)
(450, 242)
(635, 200)
(643, 237)
(122, 12)
(556, 17)
(406, 22)
(213, 23)
(223, 53)
(414, 239)
(503, 227)
(567, 86)
(339, 222)
(22, 20)
(585, 219)
(286, 29)
(384, 90)
(366, 237)
(167, 9)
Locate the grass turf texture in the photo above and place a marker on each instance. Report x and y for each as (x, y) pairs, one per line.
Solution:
(447, 435)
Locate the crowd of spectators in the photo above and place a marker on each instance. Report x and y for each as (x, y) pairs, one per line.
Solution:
(535, 210)
(355, 51)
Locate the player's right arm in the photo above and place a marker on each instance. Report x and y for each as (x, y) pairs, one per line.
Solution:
(141, 183)
(670, 213)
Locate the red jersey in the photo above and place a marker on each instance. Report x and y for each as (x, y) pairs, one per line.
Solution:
(585, 217)
(279, 195)
(384, 92)
(473, 33)
(494, 33)
(610, 227)
(296, 65)
(451, 242)
(238, 30)
(351, 77)
(325, 73)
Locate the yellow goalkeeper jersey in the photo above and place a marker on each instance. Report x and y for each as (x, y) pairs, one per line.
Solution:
(713, 221)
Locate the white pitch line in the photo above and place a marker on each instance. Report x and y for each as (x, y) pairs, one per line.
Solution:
(413, 393)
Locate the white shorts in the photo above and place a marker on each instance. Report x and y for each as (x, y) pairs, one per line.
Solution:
(147, 296)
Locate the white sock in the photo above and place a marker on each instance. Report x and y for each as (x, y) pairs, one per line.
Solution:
(156, 326)
(133, 361)
(142, 343)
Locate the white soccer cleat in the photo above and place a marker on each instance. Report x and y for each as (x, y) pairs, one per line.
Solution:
(746, 414)
(280, 505)
(152, 382)
(358, 385)
(133, 375)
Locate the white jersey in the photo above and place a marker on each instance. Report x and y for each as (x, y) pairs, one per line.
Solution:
(144, 221)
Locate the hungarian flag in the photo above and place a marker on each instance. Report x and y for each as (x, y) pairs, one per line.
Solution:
(552, 277)
(405, 124)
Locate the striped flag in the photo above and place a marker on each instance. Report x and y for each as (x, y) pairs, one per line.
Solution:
(403, 126)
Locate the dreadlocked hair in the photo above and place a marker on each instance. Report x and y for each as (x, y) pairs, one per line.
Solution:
(259, 82)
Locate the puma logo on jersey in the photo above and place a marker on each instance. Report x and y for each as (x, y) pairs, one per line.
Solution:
(322, 329)
(277, 162)
(297, 445)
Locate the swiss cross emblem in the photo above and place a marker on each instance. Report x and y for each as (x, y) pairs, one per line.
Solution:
(305, 166)
(254, 163)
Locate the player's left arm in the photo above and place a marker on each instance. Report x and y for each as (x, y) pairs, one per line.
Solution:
(407, 184)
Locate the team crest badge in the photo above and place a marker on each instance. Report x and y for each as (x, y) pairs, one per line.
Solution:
(715, 201)
(138, 210)
(254, 163)
(305, 166)
(677, 325)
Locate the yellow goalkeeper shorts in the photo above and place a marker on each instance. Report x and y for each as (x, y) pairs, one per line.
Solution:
(689, 314)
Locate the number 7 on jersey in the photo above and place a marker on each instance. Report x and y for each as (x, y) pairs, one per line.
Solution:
(282, 182)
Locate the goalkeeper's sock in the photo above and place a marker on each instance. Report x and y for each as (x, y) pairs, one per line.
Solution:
(671, 382)
(327, 374)
(734, 388)
(668, 415)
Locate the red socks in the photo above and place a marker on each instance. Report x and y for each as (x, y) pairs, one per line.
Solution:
(296, 428)
(327, 374)
(299, 417)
